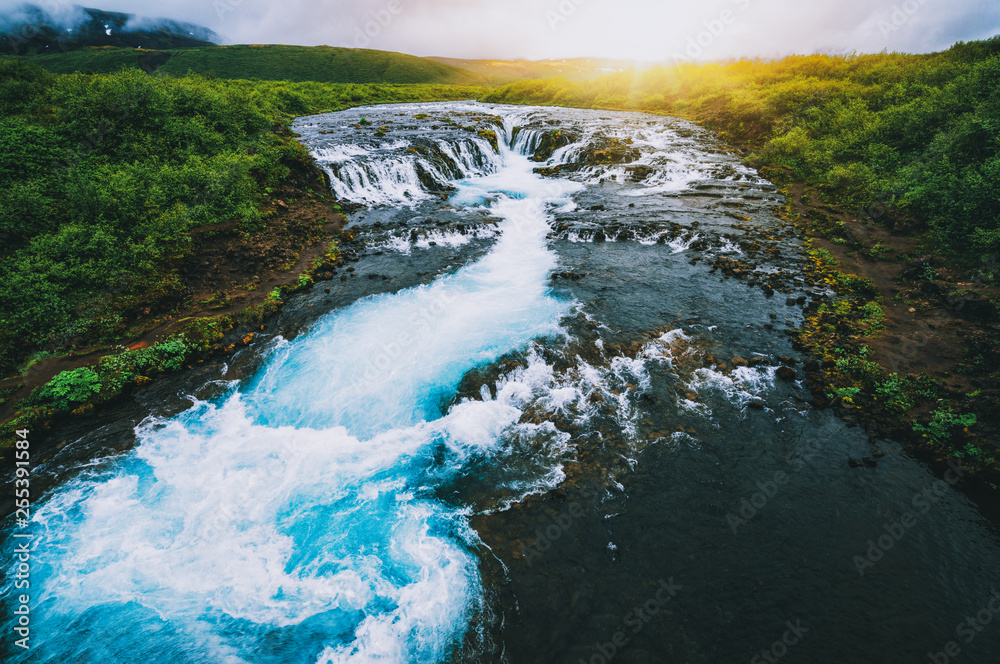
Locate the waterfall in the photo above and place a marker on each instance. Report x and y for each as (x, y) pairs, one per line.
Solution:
(295, 519)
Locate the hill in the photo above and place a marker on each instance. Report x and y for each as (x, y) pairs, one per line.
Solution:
(30, 29)
(575, 69)
(321, 64)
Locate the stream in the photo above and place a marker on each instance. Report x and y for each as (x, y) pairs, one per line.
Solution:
(539, 419)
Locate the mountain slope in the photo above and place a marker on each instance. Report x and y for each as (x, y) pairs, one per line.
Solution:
(30, 30)
(575, 69)
(323, 64)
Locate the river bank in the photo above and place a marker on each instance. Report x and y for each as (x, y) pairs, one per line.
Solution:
(560, 377)
(142, 231)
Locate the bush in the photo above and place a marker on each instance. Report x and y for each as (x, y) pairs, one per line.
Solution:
(69, 388)
(943, 424)
(105, 176)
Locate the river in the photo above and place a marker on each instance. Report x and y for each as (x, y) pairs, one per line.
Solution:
(534, 422)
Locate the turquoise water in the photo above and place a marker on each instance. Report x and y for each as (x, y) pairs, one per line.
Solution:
(294, 520)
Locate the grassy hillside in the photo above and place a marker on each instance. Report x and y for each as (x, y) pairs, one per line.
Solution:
(575, 69)
(107, 177)
(322, 64)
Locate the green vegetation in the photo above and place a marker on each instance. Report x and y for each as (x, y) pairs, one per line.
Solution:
(318, 64)
(106, 176)
(70, 388)
(108, 377)
(943, 425)
(912, 138)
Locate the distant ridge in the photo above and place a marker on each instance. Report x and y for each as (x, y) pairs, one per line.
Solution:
(322, 64)
(575, 69)
(32, 30)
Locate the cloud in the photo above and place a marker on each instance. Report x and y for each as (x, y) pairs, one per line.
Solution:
(640, 29)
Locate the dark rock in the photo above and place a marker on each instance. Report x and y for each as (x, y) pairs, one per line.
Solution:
(853, 463)
(788, 360)
(870, 462)
(786, 374)
(740, 362)
(757, 404)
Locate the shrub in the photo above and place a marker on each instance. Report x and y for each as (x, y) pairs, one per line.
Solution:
(943, 424)
(69, 387)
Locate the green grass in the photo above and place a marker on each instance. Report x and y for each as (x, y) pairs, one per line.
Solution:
(320, 64)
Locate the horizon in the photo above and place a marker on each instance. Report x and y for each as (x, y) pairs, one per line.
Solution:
(639, 31)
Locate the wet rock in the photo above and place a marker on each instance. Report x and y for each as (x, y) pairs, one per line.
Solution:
(550, 142)
(610, 151)
(599, 236)
(757, 404)
(870, 462)
(638, 174)
(740, 362)
(788, 360)
(790, 302)
(853, 463)
(786, 374)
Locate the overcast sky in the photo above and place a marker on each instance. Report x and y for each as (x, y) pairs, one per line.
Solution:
(653, 30)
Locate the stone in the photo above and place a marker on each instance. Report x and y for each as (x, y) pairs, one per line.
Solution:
(786, 374)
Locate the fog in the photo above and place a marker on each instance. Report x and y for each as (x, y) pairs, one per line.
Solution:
(636, 29)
